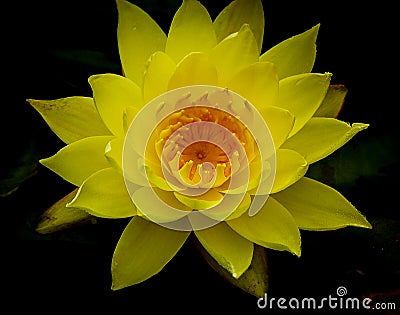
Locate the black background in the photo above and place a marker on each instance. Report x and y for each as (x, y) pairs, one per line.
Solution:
(71, 270)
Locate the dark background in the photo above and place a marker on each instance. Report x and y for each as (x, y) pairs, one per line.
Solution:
(50, 48)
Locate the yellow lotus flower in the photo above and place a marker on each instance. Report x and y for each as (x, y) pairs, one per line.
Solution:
(203, 134)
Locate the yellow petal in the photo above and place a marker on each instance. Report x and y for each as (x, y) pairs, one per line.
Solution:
(302, 95)
(156, 178)
(208, 200)
(78, 160)
(142, 251)
(234, 53)
(322, 136)
(58, 217)
(133, 164)
(279, 121)
(158, 205)
(139, 167)
(71, 118)
(290, 167)
(329, 211)
(191, 31)
(128, 115)
(258, 171)
(157, 75)
(294, 55)
(272, 227)
(258, 83)
(232, 251)
(240, 12)
(333, 101)
(195, 68)
(104, 195)
(138, 38)
(255, 168)
(230, 207)
(112, 94)
(113, 153)
(242, 208)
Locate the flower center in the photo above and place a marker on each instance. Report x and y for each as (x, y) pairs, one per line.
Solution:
(198, 147)
(202, 151)
(198, 134)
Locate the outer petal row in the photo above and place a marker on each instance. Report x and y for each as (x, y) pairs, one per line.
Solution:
(290, 167)
(195, 68)
(142, 251)
(316, 206)
(240, 12)
(333, 101)
(158, 72)
(280, 123)
(139, 37)
(234, 53)
(159, 205)
(294, 55)
(191, 31)
(78, 160)
(258, 83)
(272, 227)
(322, 136)
(302, 95)
(232, 251)
(104, 195)
(72, 118)
(112, 95)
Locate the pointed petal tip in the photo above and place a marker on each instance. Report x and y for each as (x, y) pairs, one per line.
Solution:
(115, 286)
(36, 104)
(368, 225)
(363, 223)
(313, 32)
(360, 126)
(315, 29)
(245, 28)
(119, 3)
(296, 251)
(44, 161)
(31, 101)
